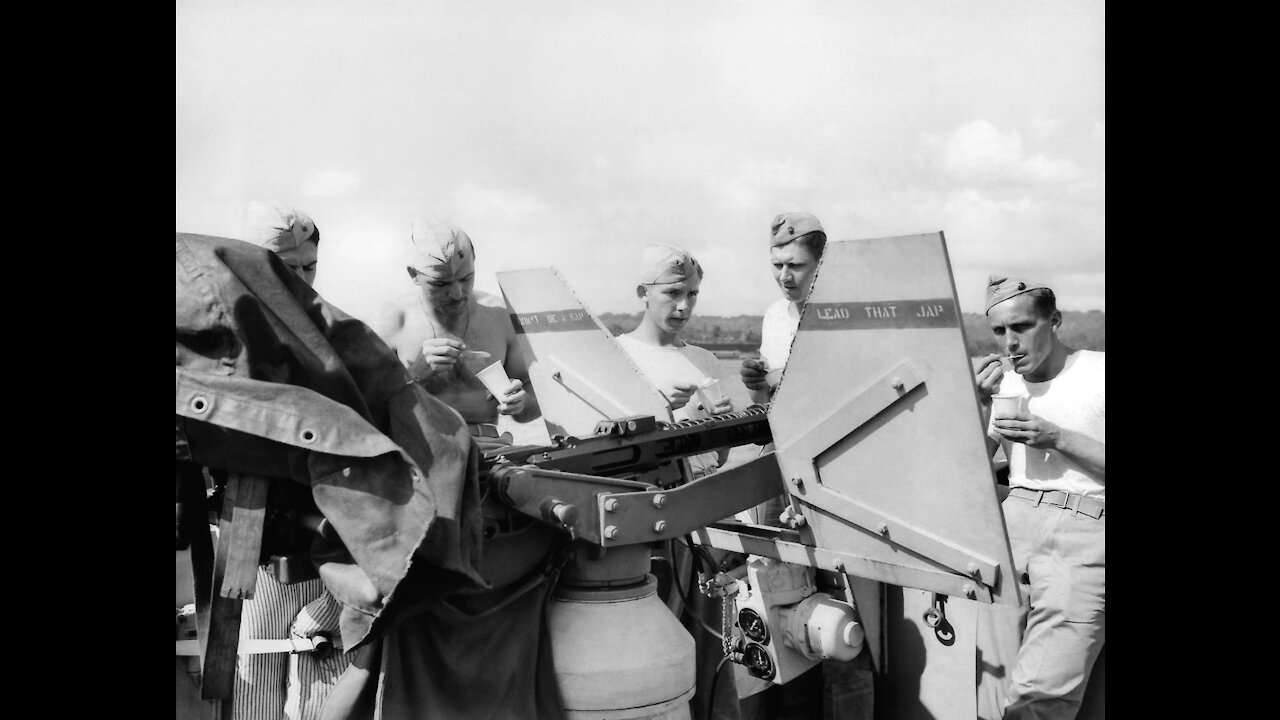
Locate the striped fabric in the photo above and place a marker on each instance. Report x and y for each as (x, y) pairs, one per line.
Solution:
(282, 685)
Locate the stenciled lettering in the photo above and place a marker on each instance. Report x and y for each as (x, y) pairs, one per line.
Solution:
(881, 315)
(553, 321)
(882, 311)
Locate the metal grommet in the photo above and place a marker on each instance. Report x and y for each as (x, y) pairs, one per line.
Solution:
(200, 404)
(308, 435)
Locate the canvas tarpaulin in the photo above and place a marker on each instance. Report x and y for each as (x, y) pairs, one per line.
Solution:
(275, 381)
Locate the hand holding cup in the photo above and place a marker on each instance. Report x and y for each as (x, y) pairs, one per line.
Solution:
(509, 393)
(678, 395)
(712, 398)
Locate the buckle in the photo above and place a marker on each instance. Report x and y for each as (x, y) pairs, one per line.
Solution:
(1088, 506)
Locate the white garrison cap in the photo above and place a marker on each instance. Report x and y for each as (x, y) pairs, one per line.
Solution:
(278, 227)
(439, 250)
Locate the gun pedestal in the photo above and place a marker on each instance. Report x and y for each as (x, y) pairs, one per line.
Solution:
(619, 651)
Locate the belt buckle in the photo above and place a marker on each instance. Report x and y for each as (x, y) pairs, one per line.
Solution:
(1073, 504)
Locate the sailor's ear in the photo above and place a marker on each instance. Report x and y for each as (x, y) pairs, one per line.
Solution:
(642, 292)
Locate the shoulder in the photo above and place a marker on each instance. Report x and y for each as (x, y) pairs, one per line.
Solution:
(491, 307)
(703, 356)
(491, 311)
(691, 349)
(1091, 360)
(388, 318)
(776, 309)
(489, 301)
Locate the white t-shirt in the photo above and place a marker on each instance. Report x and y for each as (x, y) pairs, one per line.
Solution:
(1074, 400)
(777, 330)
(665, 366)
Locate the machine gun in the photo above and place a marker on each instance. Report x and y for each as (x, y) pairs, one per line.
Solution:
(878, 449)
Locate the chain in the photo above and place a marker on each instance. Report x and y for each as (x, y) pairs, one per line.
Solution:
(728, 609)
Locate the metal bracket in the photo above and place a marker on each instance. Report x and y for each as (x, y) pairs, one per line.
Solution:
(890, 529)
(838, 424)
(781, 544)
(599, 400)
(634, 517)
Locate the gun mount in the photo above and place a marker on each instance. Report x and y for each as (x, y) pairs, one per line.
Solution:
(874, 438)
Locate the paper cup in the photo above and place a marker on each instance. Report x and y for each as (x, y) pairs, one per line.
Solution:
(495, 379)
(710, 394)
(1005, 406)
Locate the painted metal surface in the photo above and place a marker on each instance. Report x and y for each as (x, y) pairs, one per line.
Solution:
(877, 425)
(579, 373)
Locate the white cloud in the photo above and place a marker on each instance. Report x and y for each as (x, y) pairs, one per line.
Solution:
(979, 152)
(476, 201)
(1043, 127)
(693, 126)
(762, 183)
(334, 182)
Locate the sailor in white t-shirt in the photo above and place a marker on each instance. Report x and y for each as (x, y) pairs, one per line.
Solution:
(669, 279)
(796, 242)
(1055, 512)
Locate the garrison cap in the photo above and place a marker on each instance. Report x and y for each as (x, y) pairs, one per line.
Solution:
(1001, 288)
(439, 250)
(278, 227)
(790, 225)
(661, 264)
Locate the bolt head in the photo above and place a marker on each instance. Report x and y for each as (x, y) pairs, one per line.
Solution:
(611, 504)
(660, 526)
(611, 532)
(659, 500)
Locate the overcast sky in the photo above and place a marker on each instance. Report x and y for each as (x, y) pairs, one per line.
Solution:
(571, 134)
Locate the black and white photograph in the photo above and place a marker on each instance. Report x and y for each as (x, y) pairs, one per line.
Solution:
(728, 360)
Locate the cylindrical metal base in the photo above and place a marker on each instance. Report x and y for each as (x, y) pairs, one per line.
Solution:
(620, 654)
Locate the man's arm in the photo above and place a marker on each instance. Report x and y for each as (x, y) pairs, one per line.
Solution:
(987, 372)
(517, 367)
(388, 323)
(1039, 433)
(1085, 451)
(752, 373)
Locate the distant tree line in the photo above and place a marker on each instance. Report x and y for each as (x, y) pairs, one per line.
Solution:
(1080, 330)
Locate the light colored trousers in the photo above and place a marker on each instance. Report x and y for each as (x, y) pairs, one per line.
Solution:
(1034, 662)
(275, 686)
